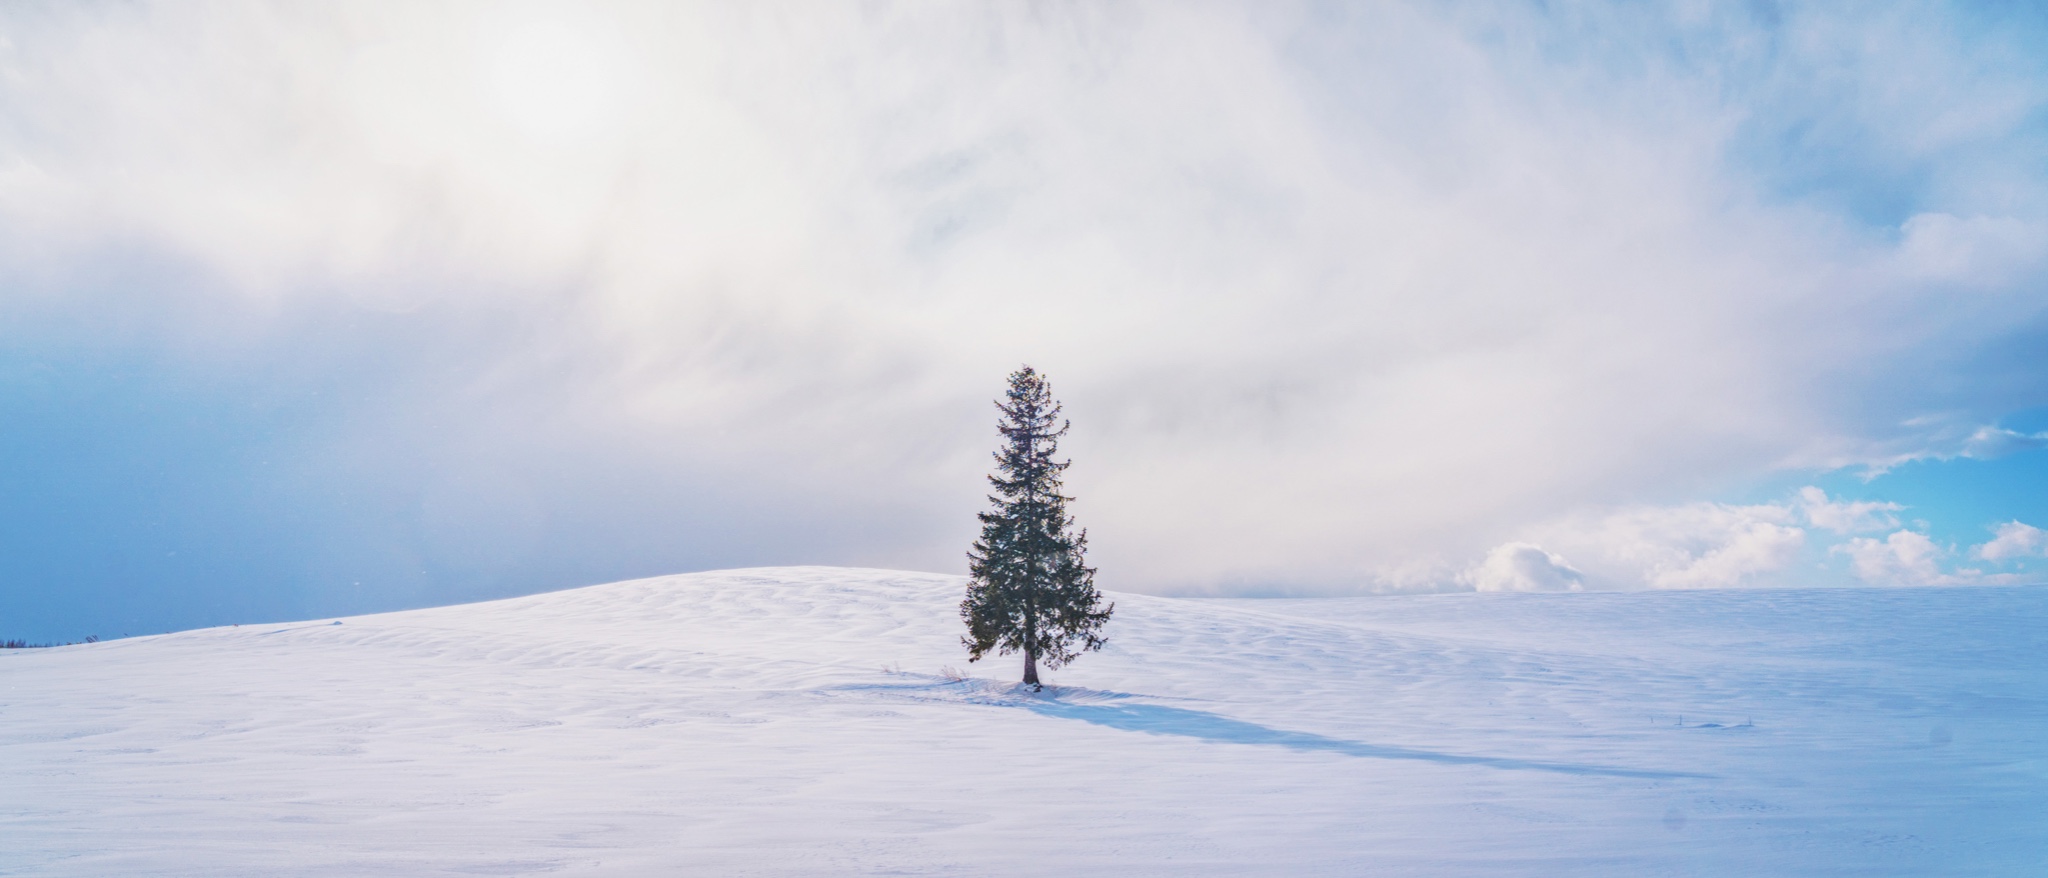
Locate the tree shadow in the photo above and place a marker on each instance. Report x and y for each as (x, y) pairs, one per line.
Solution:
(1156, 719)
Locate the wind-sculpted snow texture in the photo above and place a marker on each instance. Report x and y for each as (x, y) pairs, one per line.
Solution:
(797, 721)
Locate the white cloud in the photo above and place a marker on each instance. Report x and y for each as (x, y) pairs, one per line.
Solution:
(1524, 567)
(1754, 548)
(1978, 250)
(1912, 558)
(2014, 539)
(1846, 516)
(1904, 558)
(1695, 545)
(1326, 289)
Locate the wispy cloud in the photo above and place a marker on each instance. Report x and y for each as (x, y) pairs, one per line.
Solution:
(1846, 516)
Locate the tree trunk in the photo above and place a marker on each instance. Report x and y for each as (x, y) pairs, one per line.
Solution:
(1031, 667)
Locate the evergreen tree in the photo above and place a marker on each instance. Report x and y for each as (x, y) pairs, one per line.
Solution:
(1031, 590)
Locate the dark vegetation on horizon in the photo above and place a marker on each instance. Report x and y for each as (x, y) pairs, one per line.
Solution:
(23, 644)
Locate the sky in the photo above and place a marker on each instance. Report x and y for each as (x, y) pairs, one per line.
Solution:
(319, 309)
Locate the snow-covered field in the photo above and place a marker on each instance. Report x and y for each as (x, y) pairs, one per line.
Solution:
(797, 721)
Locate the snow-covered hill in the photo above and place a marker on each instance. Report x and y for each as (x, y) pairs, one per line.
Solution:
(800, 721)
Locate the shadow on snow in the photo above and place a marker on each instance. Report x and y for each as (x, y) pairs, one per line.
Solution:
(1156, 719)
(1116, 710)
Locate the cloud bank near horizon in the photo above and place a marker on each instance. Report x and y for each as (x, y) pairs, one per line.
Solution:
(483, 296)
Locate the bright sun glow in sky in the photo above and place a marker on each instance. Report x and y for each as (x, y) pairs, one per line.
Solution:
(311, 310)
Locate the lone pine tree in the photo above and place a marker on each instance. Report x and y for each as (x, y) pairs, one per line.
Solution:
(1031, 590)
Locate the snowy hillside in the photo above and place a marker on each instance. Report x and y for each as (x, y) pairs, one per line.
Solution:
(797, 721)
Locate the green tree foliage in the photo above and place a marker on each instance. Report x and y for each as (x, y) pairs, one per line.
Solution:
(1031, 589)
